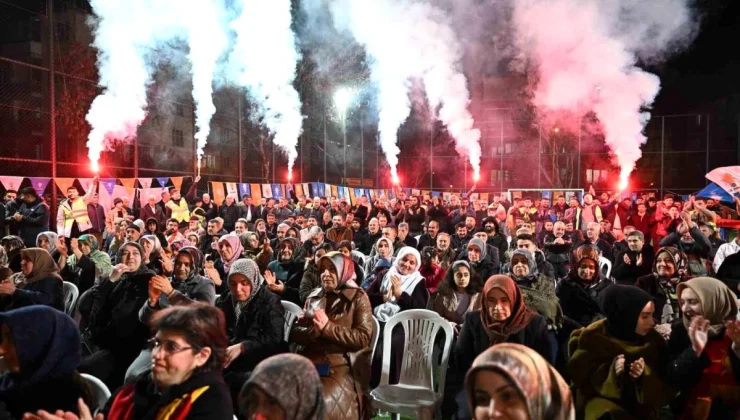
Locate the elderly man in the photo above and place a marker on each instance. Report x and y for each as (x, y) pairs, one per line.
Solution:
(152, 211)
(593, 233)
(636, 261)
(316, 238)
(445, 254)
(229, 212)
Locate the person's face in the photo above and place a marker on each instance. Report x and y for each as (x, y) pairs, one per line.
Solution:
(263, 201)
(43, 243)
(85, 247)
(172, 226)
(558, 229)
(119, 205)
(545, 203)
(281, 232)
(519, 265)
(240, 227)
(212, 228)
(316, 203)
(329, 277)
(247, 201)
(706, 231)
(473, 253)
(152, 201)
(131, 257)
(407, 265)
(8, 351)
(604, 226)
(147, 246)
(382, 221)
(271, 203)
(462, 277)
(668, 202)
(403, 231)
(604, 197)
(337, 221)
(206, 198)
(350, 218)
(389, 233)
(561, 201)
(443, 242)
(586, 269)
(641, 209)
(10, 196)
(226, 251)
(496, 398)
(635, 243)
(673, 211)
(355, 225)
(240, 287)
(132, 235)
(174, 360)
(528, 203)
(569, 227)
(414, 201)
(548, 226)
(665, 265)
(317, 256)
(690, 304)
(286, 253)
(499, 305)
(253, 241)
(72, 193)
(26, 266)
(526, 244)
(151, 227)
(166, 196)
(270, 219)
(182, 267)
(176, 195)
(383, 249)
(592, 231)
(588, 199)
(465, 203)
(645, 322)
(300, 221)
(470, 223)
(311, 222)
(490, 227)
(318, 238)
(573, 202)
(433, 229)
(652, 203)
(373, 226)
(527, 225)
(462, 231)
(283, 203)
(519, 223)
(345, 251)
(628, 230)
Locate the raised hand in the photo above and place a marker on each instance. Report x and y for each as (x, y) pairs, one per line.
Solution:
(269, 277)
(639, 260)
(627, 259)
(619, 364)
(698, 334)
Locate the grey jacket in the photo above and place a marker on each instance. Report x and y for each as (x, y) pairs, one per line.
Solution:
(196, 288)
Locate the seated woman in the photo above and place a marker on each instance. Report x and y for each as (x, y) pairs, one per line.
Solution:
(705, 351)
(13, 246)
(337, 322)
(114, 335)
(39, 283)
(377, 265)
(263, 396)
(669, 269)
(48, 241)
(188, 352)
(41, 349)
(155, 257)
(311, 275)
(580, 292)
(287, 270)
(458, 294)
(85, 264)
(255, 322)
(619, 364)
(477, 253)
(537, 288)
(515, 380)
(254, 250)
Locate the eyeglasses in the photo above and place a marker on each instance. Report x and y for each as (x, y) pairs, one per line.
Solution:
(169, 347)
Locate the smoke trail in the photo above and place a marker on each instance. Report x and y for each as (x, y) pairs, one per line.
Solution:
(265, 57)
(586, 54)
(408, 40)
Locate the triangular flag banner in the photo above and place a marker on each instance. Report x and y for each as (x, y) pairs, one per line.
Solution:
(447, 196)
(322, 189)
(407, 191)
(128, 182)
(163, 181)
(121, 191)
(39, 184)
(12, 182)
(484, 196)
(424, 192)
(306, 190)
(177, 181)
(256, 190)
(340, 192)
(219, 195)
(105, 198)
(288, 189)
(315, 189)
(435, 194)
(145, 182)
(64, 183)
(277, 191)
(371, 193)
(352, 196)
(299, 190)
(243, 190)
(267, 190)
(86, 183)
(232, 189)
(415, 192)
(144, 194)
(108, 184)
(547, 195)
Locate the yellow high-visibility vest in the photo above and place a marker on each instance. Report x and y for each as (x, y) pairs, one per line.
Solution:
(180, 211)
(75, 211)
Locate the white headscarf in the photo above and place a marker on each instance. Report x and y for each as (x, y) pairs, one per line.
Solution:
(408, 283)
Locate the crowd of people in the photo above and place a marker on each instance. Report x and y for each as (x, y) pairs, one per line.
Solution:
(597, 308)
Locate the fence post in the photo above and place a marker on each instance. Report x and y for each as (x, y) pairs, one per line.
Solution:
(52, 105)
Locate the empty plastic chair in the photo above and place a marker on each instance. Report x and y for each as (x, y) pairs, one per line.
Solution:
(291, 313)
(605, 266)
(374, 338)
(415, 394)
(71, 293)
(100, 391)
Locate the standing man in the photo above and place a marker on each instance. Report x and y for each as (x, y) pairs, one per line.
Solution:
(31, 218)
(179, 207)
(249, 210)
(97, 217)
(72, 217)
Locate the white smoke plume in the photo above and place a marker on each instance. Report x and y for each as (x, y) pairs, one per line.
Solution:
(406, 40)
(264, 58)
(586, 54)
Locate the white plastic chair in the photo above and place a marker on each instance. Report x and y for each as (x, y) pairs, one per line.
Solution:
(374, 338)
(417, 238)
(100, 391)
(415, 394)
(603, 262)
(71, 293)
(291, 313)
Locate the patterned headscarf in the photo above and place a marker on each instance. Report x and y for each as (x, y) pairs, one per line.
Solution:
(51, 237)
(343, 265)
(249, 269)
(196, 259)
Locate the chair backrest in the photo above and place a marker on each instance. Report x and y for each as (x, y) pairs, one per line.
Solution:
(71, 293)
(603, 262)
(420, 327)
(291, 313)
(100, 391)
(374, 338)
(417, 238)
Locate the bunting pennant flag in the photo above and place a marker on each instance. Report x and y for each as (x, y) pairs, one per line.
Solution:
(322, 190)
(145, 193)
(436, 194)
(547, 195)
(243, 190)
(333, 189)
(345, 192)
(108, 184)
(232, 189)
(145, 182)
(415, 192)
(288, 189)
(277, 191)
(163, 181)
(371, 194)
(64, 183)
(447, 196)
(219, 195)
(474, 196)
(314, 189)
(352, 196)
(358, 192)
(266, 190)
(424, 192)
(256, 191)
(299, 190)
(177, 181)
(306, 190)
(340, 192)
(407, 191)
(484, 197)
(123, 191)
(39, 184)
(12, 182)
(128, 182)
(86, 183)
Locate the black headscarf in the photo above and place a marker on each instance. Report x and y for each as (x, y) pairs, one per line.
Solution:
(622, 306)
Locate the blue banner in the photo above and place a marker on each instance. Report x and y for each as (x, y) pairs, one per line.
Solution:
(39, 184)
(108, 184)
(244, 190)
(163, 181)
(322, 189)
(277, 192)
(436, 194)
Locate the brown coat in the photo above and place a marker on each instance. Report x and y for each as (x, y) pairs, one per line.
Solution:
(339, 235)
(444, 303)
(343, 344)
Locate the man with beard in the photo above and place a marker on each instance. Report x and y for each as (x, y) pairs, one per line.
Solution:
(495, 238)
(284, 275)
(445, 254)
(304, 233)
(438, 213)
(688, 239)
(271, 225)
(459, 215)
(635, 262)
(172, 233)
(32, 217)
(72, 217)
(429, 238)
(404, 235)
(229, 212)
(338, 231)
(207, 242)
(357, 233)
(461, 237)
(370, 237)
(559, 208)
(280, 234)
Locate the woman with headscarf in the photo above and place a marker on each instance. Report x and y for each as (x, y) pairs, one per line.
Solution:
(255, 322)
(41, 350)
(3, 258)
(311, 275)
(263, 395)
(337, 323)
(538, 289)
(284, 275)
(581, 291)
(669, 269)
(513, 381)
(48, 241)
(38, 283)
(503, 318)
(432, 272)
(114, 335)
(458, 294)
(704, 348)
(260, 227)
(382, 260)
(13, 246)
(255, 250)
(477, 256)
(155, 257)
(618, 364)
(85, 264)
(179, 244)
(229, 251)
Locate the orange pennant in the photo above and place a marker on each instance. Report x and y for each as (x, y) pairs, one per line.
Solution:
(219, 195)
(128, 182)
(64, 183)
(177, 181)
(256, 190)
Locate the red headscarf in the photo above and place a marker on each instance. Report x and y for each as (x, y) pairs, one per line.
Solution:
(499, 331)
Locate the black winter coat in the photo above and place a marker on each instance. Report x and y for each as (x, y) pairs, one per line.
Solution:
(629, 273)
(729, 272)
(260, 328)
(230, 214)
(473, 340)
(47, 291)
(35, 220)
(579, 304)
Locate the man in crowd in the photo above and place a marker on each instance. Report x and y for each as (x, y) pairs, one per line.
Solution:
(31, 218)
(429, 238)
(338, 232)
(229, 212)
(72, 217)
(635, 262)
